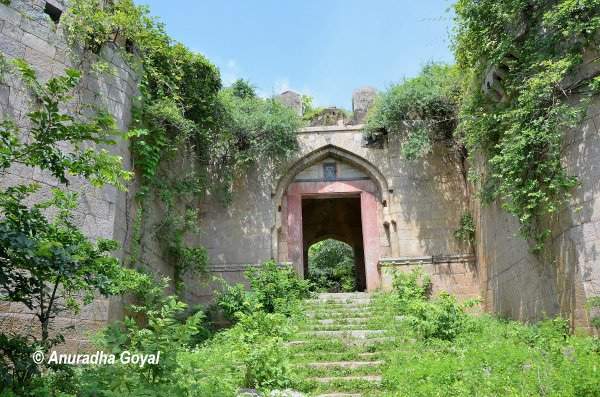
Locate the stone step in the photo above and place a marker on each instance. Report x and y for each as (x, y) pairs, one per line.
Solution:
(357, 334)
(339, 308)
(354, 312)
(340, 395)
(345, 364)
(347, 320)
(346, 341)
(343, 295)
(336, 327)
(363, 356)
(332, 379)
(351, 301)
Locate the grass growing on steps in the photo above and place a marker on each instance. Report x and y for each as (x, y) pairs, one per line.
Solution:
(481, 356)
(338, 349)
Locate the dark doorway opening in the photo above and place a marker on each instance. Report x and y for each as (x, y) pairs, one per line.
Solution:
(338, 218)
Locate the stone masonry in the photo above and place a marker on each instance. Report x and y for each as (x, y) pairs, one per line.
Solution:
(27, 32)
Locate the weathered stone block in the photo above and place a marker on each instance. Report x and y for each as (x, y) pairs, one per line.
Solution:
(10, 15)
(362, 100)
(38, 44)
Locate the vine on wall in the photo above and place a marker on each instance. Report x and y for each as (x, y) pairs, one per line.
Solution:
(184, 114)
(537, 48)
(528, 54)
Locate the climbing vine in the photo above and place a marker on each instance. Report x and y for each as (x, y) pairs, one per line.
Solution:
(518, 85)
(184, 115)
(530, 54)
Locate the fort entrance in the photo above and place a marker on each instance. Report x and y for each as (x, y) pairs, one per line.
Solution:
(333, 198)
(334, 217)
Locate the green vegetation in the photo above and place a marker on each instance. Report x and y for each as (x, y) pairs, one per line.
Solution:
(466, 229)
(321, 115)
(51, 267)
(331, 266)
(454, 353)
(525, 51)
(422, 111)
(434, 346)
(539, 45)
(273, 289)
(249, 354)
(594, 305)
(47, 264)
(183, 114)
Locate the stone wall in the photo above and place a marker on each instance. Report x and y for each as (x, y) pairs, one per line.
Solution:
(424, 200)
(420, 202)
(27, 32)
(520, 285)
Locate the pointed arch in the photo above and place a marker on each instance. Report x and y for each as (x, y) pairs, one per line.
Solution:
(334, 152)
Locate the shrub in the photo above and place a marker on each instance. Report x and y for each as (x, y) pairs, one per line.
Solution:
(234, 299)
(442, 318)
(276, 288)
(421, 110)
(411, 287)
(273, 289)
(261, 344)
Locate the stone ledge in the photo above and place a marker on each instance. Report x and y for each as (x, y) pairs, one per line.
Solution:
(237, 267)
(331, 128)
(416, 260)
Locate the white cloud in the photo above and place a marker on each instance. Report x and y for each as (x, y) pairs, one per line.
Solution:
(230, 72)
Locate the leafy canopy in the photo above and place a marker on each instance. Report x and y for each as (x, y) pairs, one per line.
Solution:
(421, 110)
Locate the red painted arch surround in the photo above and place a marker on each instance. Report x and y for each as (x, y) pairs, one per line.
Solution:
(369, 205)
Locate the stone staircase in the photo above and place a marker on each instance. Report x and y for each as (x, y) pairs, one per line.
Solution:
(339, 349)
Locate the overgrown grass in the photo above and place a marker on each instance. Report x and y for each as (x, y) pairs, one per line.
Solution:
(485, 356)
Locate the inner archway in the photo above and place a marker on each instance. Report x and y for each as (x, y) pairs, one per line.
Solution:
(332, 266)
(335, 217)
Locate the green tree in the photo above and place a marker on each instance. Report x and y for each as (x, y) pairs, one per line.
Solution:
(46, 263)
(243, 89)
(331, 266)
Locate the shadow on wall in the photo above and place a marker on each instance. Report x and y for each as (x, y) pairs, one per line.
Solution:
(428, 202)
(528, 287)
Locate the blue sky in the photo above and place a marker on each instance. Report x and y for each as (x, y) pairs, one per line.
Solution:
(323, 48)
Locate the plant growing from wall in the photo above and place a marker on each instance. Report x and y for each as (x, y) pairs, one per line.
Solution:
(421, 110)
(466, 229)
(183, 114)
(530, 53)
(593, 304)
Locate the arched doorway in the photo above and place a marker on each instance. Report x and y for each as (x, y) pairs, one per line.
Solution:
(332, 266)
(339, 218)
(331, 193)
